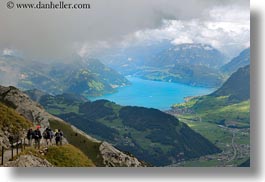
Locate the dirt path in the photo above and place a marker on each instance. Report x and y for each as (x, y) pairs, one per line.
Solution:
(8, 153)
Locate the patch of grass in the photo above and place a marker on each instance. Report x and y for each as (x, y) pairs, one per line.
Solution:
(235, 112)
(11, 120)
(61, 156)
(217, 135)
(62, 109)
(220, 110)
(202, 163)
(67, 156)
(88, 147)
(98, 86)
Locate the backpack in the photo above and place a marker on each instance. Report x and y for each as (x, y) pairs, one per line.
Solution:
(58, 136)
(45, 134)
(51, 134)
(30, 134)
(37, 134)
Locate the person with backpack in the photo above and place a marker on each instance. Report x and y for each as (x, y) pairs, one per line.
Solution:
(58, 137)
(37, 137)
(51, 135)
(30, 134)
(48, 135)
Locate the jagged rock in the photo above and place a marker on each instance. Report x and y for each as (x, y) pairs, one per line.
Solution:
(28, 161)
(115, 158)
(4, 140)
(31, 110)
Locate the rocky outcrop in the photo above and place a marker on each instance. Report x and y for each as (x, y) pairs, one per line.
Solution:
(115, 158)
(4, 139)
(31, 110)
(28, 161)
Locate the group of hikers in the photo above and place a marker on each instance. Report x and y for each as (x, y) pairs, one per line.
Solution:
(47, 134)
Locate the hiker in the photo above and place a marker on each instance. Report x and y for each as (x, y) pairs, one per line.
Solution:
(30, 136)
(48, 135)
(51, 135)
(58, 136)
(37, 137)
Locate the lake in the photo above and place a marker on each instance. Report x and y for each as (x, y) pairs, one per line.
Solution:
(155, 94)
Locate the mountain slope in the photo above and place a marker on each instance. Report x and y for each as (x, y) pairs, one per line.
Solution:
(88, 77)
(191, 54)
(18, 104)
(11, 124)
(237, 86)
(192, 64)
(223, 117)
(149, 134)
(229, 105)
(243, 59)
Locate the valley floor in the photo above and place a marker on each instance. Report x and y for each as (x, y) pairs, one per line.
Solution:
(234, 142)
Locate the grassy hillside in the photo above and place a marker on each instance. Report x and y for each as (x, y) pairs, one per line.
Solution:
(62, 156)
(88, 147)
(223, 117)
(229, 105)
(218, 110)
(67, 156)
(237, 87)
(11, 121)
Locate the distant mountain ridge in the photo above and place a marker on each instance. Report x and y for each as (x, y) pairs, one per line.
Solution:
(191, 54)
(88, 77)
(243, 59)
(237, 86)
(192, 64)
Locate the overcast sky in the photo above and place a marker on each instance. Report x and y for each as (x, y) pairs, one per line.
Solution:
(60, 33)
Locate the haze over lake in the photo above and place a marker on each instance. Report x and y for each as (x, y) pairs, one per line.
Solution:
(155, 94)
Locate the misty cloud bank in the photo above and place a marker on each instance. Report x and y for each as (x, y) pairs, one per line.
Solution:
(62, 33)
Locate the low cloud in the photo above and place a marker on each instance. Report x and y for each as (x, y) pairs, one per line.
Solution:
(61, 33)
(229, 33)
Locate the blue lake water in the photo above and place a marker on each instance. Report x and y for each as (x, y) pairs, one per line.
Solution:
(159, 95)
